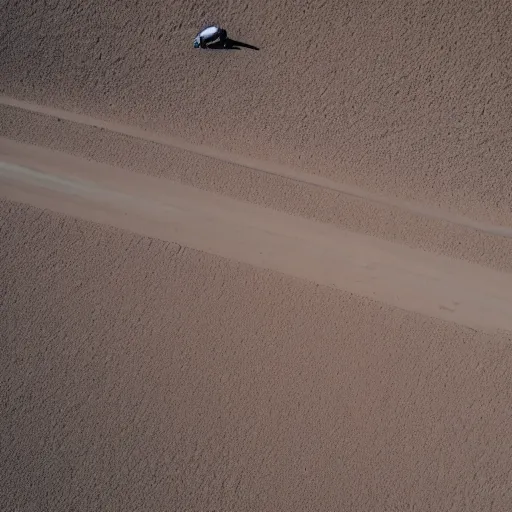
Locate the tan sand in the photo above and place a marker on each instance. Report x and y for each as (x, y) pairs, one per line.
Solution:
(409, 98)
(141, 376)
(192, 242)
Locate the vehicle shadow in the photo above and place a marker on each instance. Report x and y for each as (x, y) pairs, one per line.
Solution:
(231, 44)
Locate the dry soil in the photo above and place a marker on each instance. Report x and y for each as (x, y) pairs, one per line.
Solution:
(274, 279)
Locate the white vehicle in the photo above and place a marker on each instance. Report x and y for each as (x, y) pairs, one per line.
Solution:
(209, 36)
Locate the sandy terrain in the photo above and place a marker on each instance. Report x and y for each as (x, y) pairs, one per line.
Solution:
(409, 98)
(256, 280)
(138, 376)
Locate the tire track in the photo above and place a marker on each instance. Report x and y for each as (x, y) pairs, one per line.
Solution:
(258, 165)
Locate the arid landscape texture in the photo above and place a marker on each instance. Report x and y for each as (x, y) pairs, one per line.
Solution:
(256, 280)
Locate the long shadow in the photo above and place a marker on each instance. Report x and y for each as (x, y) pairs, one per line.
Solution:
(231, 44)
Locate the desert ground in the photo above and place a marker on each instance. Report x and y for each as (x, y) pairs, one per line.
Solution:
(256, 280)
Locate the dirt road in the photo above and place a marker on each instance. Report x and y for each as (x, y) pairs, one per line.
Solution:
(410, 279)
